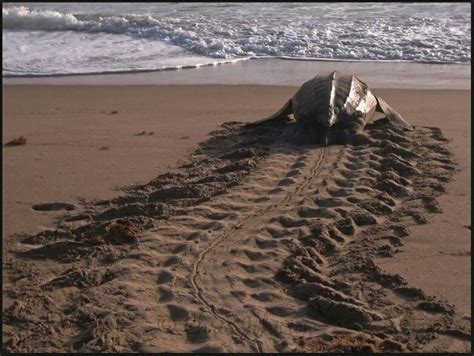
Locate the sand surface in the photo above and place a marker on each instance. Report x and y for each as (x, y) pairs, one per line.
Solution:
(395, 75)
(255, 244)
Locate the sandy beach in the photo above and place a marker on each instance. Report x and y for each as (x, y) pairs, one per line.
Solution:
(142, 213)
(213, 245)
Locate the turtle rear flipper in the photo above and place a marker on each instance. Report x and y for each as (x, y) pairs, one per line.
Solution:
(393, 117)
(281, 114)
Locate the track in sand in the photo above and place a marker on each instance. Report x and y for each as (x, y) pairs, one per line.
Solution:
(256, 244)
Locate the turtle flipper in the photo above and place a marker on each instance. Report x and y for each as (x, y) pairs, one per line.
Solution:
(393, 117)
(281, 114)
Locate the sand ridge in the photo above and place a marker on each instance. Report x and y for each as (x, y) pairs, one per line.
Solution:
(256, 244)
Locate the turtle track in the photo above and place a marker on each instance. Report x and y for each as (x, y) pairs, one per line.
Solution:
(255, 244)
(387, 188)
(248, 219)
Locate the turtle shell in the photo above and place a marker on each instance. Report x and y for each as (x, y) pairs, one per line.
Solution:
(336, 99)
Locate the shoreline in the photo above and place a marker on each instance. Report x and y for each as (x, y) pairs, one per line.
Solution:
(231, 61)
(279, 72)
(66, 126)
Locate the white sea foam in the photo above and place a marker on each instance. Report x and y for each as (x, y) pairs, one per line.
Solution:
(51, 39)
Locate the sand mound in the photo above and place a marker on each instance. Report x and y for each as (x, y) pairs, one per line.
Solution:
(255, 244)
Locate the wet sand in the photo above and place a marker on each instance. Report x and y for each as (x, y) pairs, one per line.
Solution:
(84, 141)
(394, 75)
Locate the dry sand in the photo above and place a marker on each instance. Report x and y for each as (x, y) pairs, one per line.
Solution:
(253, 244)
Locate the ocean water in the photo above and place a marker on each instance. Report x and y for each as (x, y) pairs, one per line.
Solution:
(45, 39)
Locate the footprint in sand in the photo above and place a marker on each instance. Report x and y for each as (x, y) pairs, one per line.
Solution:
(177, 313)
(166, 294)
(53, 206)
(165, 277)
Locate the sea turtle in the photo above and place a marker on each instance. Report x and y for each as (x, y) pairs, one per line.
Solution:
(334, 108)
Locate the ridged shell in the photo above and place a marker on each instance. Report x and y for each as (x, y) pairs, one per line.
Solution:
(334, 99)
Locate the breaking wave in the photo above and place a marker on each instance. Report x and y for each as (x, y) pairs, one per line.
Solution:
(205, 34)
